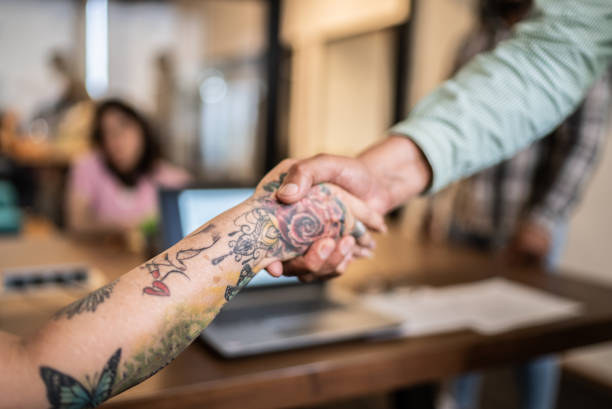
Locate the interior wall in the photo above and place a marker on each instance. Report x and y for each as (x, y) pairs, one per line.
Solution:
(341, 75)
(358, 92)
(233, 28)
(322, 20)
(196, 36)
(590, 231)
(588, 255)
(191, 32)
(137, 34)
(29, 31)
(440, 27)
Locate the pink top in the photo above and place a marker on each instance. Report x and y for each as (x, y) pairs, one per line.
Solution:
(114, 203)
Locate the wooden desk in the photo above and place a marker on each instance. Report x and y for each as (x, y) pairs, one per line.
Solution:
(200, 379)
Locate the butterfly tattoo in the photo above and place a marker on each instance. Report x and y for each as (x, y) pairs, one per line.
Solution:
(65, 392)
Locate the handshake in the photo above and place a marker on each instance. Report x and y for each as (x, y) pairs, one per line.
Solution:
(337, 201)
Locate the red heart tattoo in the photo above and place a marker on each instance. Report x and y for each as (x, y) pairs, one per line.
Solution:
(158, 288)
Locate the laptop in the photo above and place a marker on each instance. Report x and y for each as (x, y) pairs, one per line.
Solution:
(270, 314)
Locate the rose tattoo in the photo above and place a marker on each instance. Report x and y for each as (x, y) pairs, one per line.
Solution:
(317, 216)
(284, 231)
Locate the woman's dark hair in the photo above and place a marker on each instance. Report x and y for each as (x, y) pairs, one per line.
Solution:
(150, 153)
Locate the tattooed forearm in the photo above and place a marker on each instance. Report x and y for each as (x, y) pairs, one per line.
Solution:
(257, 232)
(89, 303)
(175, 264)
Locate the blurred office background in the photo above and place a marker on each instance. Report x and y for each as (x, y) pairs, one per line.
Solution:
(232, 87)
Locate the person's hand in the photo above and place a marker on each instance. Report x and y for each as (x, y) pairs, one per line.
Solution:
(384, 176)
(327, 215)
(530, 244)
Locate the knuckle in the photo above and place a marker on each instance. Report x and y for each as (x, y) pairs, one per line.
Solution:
(288, 162)
(313, 264)
(339, 270)
(324, 270)
(322, 274)
(300, 167)
(322, 156)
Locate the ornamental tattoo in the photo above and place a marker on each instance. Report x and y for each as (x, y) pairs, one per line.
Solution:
(316, 216)
(89, 303)
(257, 237)
(65, 392)
(161, 270)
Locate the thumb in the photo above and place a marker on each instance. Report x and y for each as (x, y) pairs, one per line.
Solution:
(342, 171)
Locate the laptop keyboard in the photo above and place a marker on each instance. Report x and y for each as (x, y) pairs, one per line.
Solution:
(264, 312)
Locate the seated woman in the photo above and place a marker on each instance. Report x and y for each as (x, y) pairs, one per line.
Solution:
(126, 331)
(114, 188)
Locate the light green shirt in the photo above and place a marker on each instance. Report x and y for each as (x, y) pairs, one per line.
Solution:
(503, 100)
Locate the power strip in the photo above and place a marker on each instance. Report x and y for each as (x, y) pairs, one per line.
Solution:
(44, 277)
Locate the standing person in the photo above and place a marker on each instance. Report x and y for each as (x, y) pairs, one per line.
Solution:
(72, 91)
(521, 206)
(113, 189)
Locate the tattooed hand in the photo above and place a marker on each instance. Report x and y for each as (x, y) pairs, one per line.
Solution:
(326, 215)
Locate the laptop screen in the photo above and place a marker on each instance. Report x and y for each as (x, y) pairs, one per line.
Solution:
(197, 206)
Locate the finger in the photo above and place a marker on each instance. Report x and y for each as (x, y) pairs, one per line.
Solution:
(347, 173)
(275, 269)
(314, 258)
(366, 241)
(344, 264)
(307, 278)
(362, 252)
(345, 247)
(330, 276)
(362, 212)
(295, 267)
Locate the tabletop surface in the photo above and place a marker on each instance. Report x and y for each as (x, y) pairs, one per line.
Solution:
(200, 378)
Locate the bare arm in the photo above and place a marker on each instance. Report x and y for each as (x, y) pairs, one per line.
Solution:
(126, 331)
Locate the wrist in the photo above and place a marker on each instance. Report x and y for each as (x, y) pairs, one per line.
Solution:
(416, 164)
(399, 168)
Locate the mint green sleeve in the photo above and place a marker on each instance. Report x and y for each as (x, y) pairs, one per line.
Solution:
(503, 100)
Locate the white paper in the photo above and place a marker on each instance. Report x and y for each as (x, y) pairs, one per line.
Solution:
(489, 307)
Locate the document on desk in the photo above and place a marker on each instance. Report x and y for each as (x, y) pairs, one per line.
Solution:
(489, 306)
